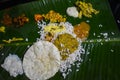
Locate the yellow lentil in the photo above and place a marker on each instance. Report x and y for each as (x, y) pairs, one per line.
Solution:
(66, 44)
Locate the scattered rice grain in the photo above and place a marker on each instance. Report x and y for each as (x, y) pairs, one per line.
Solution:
(100, 25)
(112, 33)
(94, 34)
(98, 36)
(26, 39)
(101, 43)
(112, 50)
(118, 21)
(87, 21)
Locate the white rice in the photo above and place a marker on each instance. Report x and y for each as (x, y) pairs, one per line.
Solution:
(13, 65)
(41, 61)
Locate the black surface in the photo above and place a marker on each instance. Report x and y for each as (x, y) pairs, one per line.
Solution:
(115, 7)
(7, 3)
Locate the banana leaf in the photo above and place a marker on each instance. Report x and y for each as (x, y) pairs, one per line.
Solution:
(100, 60)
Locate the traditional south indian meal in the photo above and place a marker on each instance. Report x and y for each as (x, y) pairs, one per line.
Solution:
(58, 47)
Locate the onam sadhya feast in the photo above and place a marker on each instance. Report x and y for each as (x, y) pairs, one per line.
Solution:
(58, 47)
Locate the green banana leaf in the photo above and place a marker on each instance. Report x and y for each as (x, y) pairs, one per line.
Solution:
(101, 57)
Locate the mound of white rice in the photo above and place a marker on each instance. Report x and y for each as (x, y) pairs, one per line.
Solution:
(41, 61)
(13, 65)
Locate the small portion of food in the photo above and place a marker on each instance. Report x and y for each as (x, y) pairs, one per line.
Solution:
(41, 61)
(12, 40)
(54, 16)
(81, 9)
(72, 11)
(14, 21)
(20, 20)
(2, 29)
(85, 9)
(7, 20)
(13, 65)
(54, 28)
(82, 30)
(38, 17)
(66, 44)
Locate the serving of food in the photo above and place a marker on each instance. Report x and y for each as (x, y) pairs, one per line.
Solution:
(53, 44)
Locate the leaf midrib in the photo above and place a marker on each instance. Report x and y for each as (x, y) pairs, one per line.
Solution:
(111, 40)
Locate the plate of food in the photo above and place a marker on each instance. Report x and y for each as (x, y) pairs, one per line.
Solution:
(59, 40)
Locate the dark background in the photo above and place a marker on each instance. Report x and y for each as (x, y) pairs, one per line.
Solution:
(115, 7)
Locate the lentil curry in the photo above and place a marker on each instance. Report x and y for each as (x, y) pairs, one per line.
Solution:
(66, 44)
